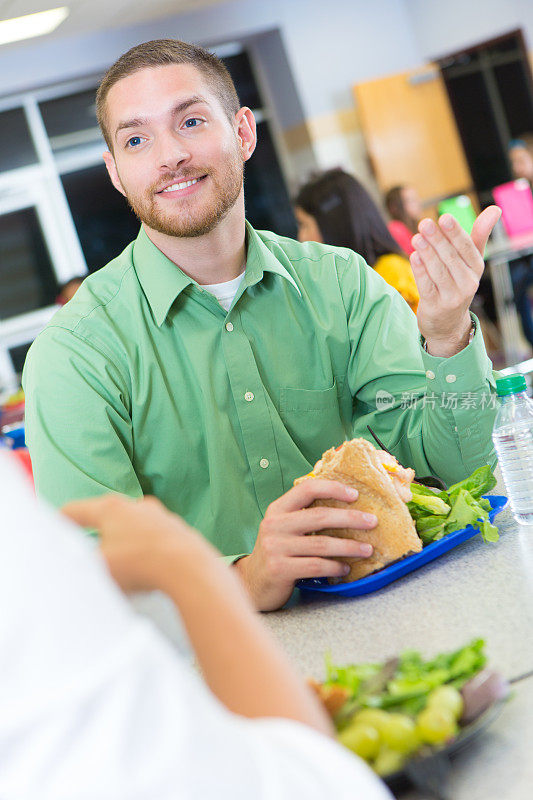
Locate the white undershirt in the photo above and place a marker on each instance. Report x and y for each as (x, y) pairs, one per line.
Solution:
(225, 292)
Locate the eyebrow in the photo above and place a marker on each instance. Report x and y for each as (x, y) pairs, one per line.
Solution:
(139, 122)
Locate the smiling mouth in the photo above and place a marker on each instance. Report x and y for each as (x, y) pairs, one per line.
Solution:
(176, 187)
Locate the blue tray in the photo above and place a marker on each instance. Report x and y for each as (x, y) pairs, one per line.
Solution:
(391, 573)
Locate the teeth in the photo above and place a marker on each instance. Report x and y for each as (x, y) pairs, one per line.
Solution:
(183, 185)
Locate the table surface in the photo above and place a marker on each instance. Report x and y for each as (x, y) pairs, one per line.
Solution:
(503, 248)
(477, 590)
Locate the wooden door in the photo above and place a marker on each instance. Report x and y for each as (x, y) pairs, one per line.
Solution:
(411, 134)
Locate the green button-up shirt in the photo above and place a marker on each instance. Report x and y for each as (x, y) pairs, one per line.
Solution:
(143, 384)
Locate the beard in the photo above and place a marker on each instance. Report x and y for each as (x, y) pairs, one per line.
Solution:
(191, 218)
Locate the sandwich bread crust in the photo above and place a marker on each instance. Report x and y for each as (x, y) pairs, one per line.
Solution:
(357, 464)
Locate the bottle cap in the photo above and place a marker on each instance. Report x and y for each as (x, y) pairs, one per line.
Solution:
(511, 384)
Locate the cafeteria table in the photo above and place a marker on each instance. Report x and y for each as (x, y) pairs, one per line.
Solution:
(476, 590)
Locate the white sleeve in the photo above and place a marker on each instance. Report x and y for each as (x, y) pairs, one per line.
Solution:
(96, 704)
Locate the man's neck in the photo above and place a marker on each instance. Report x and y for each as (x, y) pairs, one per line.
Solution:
(217, 257)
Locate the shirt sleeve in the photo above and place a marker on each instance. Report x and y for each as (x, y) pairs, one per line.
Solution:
(435, 414)
(97, 704)
(78, 421)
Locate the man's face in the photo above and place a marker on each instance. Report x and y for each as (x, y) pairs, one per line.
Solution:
(176, 157)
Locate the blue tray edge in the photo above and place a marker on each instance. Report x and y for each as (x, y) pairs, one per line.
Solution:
(400, 568)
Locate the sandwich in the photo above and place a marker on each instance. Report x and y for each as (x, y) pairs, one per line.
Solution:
(384, 490)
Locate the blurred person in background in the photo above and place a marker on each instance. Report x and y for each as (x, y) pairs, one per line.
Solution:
(335, 209)
(68, 289)
(521, 160)
(405, 210)
(96, 704)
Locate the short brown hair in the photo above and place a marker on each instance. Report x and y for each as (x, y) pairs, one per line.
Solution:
(161, 52)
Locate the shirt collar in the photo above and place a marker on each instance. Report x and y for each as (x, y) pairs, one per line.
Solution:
(260, 259)
(162, 281)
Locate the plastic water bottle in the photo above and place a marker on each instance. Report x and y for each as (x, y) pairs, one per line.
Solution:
(513, 441)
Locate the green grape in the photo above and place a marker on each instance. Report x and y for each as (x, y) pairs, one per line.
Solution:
(435, 725)
(447, 698)
(363, 740)
(388, 761)
(399, 733)
(372, 716)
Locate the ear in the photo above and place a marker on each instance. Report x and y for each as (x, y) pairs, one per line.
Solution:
(113, 172)
(246, 131)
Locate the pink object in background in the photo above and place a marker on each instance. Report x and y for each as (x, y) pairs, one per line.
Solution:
(516, 202)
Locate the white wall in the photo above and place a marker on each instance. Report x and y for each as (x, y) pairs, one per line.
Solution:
(330, 45)
(440, 27)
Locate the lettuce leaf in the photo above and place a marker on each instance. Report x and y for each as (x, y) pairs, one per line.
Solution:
(413, 678)
(438, 514)
(480, 482)
(426, 503)
(431, 528)
(466, 510)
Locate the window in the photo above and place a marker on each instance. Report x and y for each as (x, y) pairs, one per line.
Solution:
(104, 222)
(492, 83)
(18, 357)
(70, 121)
(17, 147)
(27, 280)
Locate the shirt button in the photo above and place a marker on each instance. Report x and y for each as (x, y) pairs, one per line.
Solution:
(249, 396)
(229, 326)
(430, 374)
(451, 378)
(264, 463)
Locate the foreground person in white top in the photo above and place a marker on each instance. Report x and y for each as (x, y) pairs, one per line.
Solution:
(96, 704)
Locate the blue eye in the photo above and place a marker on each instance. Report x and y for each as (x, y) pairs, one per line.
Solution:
(191, 123)
(134, 141)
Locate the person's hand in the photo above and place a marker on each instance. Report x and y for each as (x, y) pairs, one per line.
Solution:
(283, 553)
(447, 265)
(138, 538)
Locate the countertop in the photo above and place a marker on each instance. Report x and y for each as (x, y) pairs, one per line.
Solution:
(477, 590)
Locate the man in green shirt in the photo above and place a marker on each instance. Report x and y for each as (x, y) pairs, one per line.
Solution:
(145, 383)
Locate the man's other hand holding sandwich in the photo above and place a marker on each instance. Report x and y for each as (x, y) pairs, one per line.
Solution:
(356, 499)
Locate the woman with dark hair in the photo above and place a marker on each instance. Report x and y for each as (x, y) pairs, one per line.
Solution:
(334, 208)
(403, 205)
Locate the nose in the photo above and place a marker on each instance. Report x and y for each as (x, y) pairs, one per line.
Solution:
(172, 151)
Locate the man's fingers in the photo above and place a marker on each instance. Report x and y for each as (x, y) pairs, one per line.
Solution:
(464, 245)
(330, 547)
(310, 520)
(426, 287)
(435, 236)
(483, 227)
(435, 267)
(312, 489)
(318, 568)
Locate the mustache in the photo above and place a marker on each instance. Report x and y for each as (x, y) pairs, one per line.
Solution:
(177, 177)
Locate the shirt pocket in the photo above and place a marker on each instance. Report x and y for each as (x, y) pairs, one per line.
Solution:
(312, 418)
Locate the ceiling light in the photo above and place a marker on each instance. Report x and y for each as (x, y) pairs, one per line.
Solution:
(30, 25)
